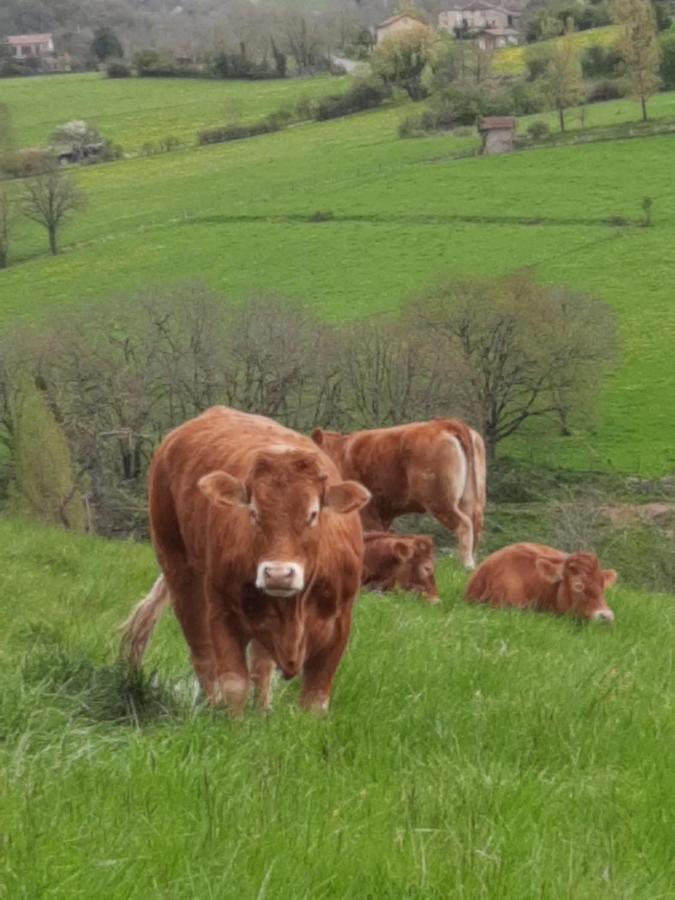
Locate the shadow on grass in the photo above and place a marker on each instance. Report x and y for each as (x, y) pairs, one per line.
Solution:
(112, 693)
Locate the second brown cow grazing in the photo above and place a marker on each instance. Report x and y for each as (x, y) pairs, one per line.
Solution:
(435, 467)
(545, 579)
(261, 547)
(400, 561)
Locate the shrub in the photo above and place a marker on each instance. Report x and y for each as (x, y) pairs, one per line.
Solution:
(410, 125)
(326, 215)
(27, 163)
(365, 93)
(303, 108)
(607, 89)
(237, 132)
(538, 130)
(235, 65)
(598, 61)
(667, 69)
(527, 98)
(118, 68)
(170, 142)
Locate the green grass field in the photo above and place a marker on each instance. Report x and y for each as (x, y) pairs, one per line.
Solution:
(469, 753)
(404, 213)
(511, 60)
(133, 111)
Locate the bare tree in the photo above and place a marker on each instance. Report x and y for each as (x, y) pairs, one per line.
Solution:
(302, 38)
(48, 199)
(392, 374)
(520, 350)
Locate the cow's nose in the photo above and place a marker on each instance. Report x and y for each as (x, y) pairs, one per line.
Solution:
(278, 575)
(604, 615)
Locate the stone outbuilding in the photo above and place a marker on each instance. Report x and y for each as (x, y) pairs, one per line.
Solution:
(497, 133)
(397, 24)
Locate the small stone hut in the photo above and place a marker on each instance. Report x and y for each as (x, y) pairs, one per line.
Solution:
(497, 134)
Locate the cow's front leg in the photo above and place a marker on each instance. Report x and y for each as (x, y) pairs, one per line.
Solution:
(229, 653)
(319, 670)
(262, 670)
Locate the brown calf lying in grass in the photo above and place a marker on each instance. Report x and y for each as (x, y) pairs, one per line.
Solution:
(545, 579)
(400, 561)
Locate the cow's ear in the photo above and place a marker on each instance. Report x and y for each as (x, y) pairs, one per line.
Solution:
(346, 497)
(403, 550)
(317, 436)
(223, 489)
(609, 577)
(551, 571)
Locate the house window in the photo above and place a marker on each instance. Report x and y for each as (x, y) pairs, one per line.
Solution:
(27, 50)
(509, 21)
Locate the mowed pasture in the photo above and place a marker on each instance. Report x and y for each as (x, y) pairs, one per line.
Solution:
(135, 111)
(469, 752)
(395, 215)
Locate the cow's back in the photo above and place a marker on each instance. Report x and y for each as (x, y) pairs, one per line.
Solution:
(511, 576)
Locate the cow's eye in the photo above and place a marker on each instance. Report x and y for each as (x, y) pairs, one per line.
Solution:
(313, 516)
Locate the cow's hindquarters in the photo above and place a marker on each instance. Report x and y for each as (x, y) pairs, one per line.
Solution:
(442, 485)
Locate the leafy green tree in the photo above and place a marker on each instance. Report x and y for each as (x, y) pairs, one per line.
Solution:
(401, 58)
(106, 44)
(43, 486)
(639, 48)
(563, 84)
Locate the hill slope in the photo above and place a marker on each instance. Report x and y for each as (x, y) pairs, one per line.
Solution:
(469, 753)
(403, 213)
(134, 111)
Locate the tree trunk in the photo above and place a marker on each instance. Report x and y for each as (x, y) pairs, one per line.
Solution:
(53, 246)
(561, 116)
(643, 103)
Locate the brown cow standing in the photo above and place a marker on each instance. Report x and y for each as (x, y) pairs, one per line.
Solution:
(400, 561)
(436, 467)
(260, 543)
(548, 580)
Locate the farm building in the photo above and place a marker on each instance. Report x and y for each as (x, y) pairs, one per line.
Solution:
(396, 24)
(27, 46)
(497, 134)
(476, 14)
(493, 38)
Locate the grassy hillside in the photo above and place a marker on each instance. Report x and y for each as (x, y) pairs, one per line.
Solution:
(600, 115)
(133, 111)
(469, 753)
(511, 60)
(404, 212)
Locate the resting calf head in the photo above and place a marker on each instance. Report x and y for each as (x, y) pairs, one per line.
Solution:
(581, 585)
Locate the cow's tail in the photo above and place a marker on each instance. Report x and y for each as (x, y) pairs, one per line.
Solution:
(138, 628)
